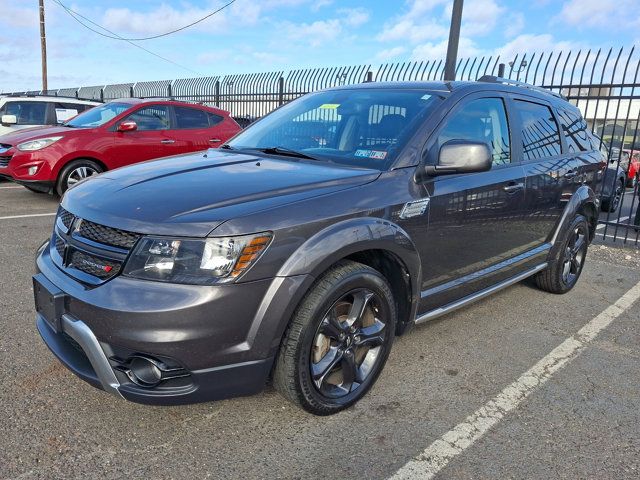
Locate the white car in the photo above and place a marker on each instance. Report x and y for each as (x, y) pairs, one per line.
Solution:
(18, 112)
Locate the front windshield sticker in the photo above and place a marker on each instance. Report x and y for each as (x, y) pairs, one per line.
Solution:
(375, 154)
(330, 106)
(425, 97)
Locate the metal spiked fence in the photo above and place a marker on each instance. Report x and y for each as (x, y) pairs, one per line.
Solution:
(604, 84)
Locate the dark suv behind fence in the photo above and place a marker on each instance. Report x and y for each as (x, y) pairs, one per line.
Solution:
(299, 250)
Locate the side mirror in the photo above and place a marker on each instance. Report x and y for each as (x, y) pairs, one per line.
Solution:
(128, 126)
(9, 120)
(461, 156)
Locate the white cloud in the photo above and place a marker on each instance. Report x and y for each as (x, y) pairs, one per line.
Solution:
(584, 13)
(515, 25)
(354, 17)
(390, 53)
(315, 33)
(318, 4)
(407, 30)
(163, 19)
(322, 31)
(438, 51)
(528, 43)
(479, 17)
(18, 16)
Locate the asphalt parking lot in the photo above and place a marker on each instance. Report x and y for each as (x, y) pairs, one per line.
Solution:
(582, 421)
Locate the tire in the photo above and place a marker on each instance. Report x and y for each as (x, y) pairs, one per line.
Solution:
(323, 365)
(74, 172)
(567, 262)
(612, 203)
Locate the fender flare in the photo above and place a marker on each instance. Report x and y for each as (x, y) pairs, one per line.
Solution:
(351, 236)
(583, 198)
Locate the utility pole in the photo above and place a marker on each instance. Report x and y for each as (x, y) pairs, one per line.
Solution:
(454, 38)
(43, 47)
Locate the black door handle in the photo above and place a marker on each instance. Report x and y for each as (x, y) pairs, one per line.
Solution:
(513, 188)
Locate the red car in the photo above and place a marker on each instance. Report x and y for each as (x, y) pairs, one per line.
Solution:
(633, 174)
(118, 133)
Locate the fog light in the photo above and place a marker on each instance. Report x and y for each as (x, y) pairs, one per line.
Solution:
(33, 170)
(145, 372)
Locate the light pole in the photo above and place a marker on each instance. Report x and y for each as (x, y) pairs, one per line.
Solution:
(454, 38)
(43, 47)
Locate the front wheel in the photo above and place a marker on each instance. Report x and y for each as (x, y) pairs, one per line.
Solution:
(568, 260)
(75, 172)
(338, 340)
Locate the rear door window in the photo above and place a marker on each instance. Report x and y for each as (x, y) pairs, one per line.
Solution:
(540, 134)
(481, 120)
(27, 113)
(190, 118)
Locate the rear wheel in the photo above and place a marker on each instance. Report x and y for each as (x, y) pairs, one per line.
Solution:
(566, 265)
(75, 172)
(612, 203)
(338, 340)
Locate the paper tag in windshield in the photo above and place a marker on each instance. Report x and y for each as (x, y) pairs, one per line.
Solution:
(375, 154)
(330, 106)
(426, 96)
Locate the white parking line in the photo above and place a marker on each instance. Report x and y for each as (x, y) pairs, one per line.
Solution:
(611, 226)
(7, 188)
(27, 216)
(437, 455)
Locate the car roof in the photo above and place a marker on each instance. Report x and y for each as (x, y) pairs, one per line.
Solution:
(166, 101)
(449, 87)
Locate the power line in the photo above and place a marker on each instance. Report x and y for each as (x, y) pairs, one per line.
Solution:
(73, 14)
(118, 37)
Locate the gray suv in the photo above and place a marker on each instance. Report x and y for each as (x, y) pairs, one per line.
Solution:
(300, 249)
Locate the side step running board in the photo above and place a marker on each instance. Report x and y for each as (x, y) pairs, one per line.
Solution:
(479, 295)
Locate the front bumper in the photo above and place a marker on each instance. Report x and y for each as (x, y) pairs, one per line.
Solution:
(222, 339)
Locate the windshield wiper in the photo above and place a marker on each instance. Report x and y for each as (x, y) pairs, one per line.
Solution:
(285, 151)
(226, 146)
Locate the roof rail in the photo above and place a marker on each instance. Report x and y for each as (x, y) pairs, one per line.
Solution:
(516, 83)
(35, 95)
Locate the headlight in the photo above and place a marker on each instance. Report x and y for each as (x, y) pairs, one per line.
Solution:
(196, 262)
(38, 144)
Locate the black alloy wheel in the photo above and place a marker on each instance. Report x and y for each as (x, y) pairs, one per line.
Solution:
(348, 343)
(338, 340)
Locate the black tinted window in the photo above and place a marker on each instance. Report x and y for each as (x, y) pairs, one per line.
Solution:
(155, 117)
(214, 119)
(191, 118)
(576, 131)
(27, 113)
(540, 135)
(483, 120)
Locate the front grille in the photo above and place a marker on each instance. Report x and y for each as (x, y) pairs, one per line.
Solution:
(65, 217)
(96, 266)
(107, 235)
(59, 246)
(4, 160)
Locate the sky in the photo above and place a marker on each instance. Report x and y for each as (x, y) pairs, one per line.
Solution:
(279, 35)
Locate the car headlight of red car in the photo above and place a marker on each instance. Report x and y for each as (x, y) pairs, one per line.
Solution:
(38, 144)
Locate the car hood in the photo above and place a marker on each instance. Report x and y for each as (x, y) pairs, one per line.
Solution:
(190, 195)
(32, 133)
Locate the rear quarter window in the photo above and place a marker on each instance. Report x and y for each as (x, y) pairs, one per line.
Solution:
(576, 131)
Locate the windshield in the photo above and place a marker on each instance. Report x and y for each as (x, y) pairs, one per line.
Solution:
(361, 127)
(98, 115)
